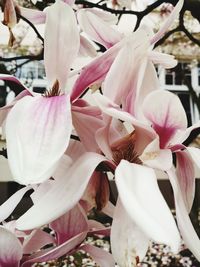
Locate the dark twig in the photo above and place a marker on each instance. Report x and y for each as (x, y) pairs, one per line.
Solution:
(33, 27)
(3, 152)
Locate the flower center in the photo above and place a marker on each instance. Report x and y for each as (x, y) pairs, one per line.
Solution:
(124, 148)
(54, 91)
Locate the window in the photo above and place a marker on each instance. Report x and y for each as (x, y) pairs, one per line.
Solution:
(175, 76)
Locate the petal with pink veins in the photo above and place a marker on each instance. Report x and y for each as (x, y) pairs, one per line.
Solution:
(10, 249)
(37, 131)
(186, 228)
(167, 24)
(128, 243)
(166, 114)
(186, 177)
(70, 224)
(138, 185)
(61, 43)
(64, 195)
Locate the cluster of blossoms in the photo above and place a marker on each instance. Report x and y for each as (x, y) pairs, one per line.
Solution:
(131, 129)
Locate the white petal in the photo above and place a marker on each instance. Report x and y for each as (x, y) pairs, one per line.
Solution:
(65, 193)
(188, 233)
(37, 132)
(61, 43)
(142, 199)
(128, 243)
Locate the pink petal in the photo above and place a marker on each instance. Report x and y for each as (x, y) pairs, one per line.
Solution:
(100, 256)
(11, 203)
(148, 210)
(128, 243)
(186, 228)
(97, 29)
(186, 177)
(95, 71)
(55, 252)
(33, 15)
(167, 24)
(37, 131)
(64, 195)
(83, 118)
(159, 108)
(36, 240)
(10, 249)
(61, 44)
(70, 224)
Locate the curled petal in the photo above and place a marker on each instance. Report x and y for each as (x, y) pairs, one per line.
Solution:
(138, 185)
(10, 249)
(37, 132)
(159, 108)
(61, 43)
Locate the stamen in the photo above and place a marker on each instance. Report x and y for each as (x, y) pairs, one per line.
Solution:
(125, 149)
(54, 91)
